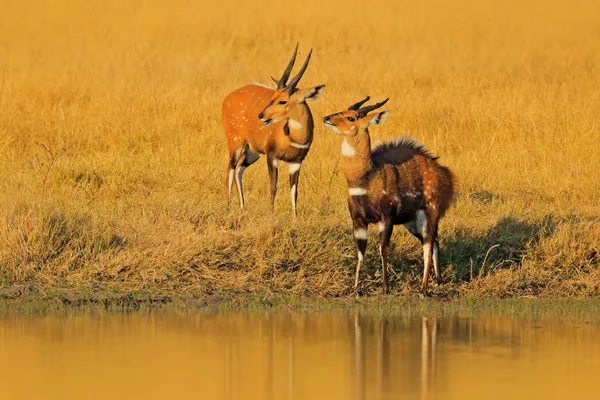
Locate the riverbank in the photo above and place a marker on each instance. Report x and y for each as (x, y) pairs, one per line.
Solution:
(24, 301)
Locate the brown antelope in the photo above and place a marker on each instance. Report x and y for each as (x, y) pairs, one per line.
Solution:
(276, 123)
(399, 182)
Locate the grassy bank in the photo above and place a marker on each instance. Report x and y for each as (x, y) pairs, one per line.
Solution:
(69, 302)
(113, 160)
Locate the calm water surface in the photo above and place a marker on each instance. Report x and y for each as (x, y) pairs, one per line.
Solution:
(295, 356)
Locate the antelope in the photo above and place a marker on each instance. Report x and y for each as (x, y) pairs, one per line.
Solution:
(399, 182)
(274, 122)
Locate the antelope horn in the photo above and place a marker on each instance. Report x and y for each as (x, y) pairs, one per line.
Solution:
(288, 70)
(292, 85)
(356, 106)
(363, 111)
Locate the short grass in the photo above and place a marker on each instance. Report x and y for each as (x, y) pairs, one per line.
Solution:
(112, 159)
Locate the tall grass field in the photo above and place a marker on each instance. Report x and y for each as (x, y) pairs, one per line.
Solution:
(113, 160)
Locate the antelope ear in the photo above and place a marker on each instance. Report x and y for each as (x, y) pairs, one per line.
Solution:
(313, 94)
(378, 118)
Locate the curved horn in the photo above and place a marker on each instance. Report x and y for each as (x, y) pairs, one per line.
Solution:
(363, 111)
(288, 70)
(292, 85)
(356, 106)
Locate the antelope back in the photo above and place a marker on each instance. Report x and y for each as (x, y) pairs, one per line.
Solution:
(239, 113)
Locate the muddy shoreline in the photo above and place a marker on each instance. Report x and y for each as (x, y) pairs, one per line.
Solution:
(28, 300)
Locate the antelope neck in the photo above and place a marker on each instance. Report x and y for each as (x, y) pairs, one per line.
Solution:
(299, 126)
(358, 164)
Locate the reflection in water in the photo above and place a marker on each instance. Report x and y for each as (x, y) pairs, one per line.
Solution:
(294, 356)
(418, 358)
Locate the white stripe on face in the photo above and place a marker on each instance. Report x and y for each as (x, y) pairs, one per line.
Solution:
(294, 167)
(333, 128)
(357, 191)
(347, 149)
(361, 234)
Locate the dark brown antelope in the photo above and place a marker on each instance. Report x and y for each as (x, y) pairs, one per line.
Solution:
(277, 123)
(398, 182)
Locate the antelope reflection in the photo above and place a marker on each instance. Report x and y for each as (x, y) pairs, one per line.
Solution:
(357, 357)
(392, 340)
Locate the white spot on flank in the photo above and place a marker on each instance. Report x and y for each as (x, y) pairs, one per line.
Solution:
(293, 167)
(347, 149)
(362, 234)
(300, 146)
(357, 191)
(294, 124)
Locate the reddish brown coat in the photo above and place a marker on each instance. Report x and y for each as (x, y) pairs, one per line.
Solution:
(277, 123)
(397, 183)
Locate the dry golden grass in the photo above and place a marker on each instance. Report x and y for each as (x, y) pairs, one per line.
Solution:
(113, 159)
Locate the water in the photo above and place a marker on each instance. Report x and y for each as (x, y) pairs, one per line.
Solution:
(295, 356)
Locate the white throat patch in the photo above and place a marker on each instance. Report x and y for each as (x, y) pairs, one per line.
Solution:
(295, 125)
(300, 146)
(357, 191)
(347, 149)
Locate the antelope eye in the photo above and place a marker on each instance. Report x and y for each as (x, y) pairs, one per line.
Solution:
(351, 119)
(282, 102)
